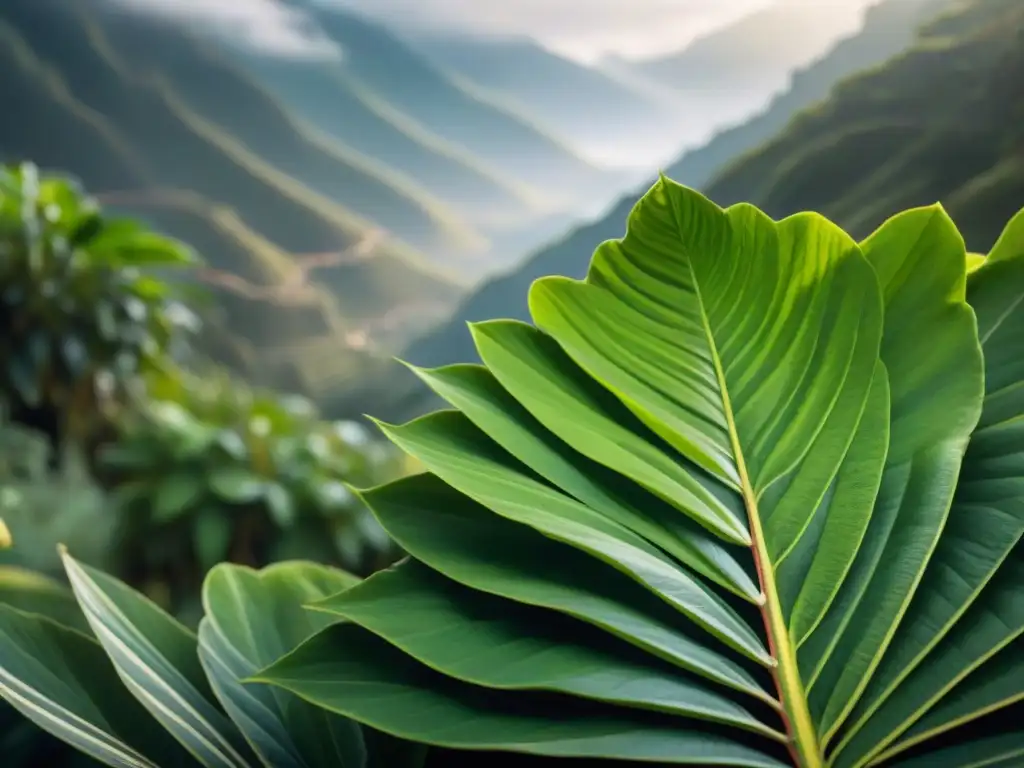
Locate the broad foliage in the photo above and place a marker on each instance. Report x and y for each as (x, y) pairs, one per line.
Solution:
(223, 472)
(128, 685)
(750, 494)
(82, 301)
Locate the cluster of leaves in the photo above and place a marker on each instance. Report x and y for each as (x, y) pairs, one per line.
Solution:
(97, 319)
(127, 684)
(750, 494)
(225, 472)
(203, 468)
(83, 310)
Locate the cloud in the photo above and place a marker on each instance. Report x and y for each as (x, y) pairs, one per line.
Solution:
(585, 29)
(267, 25)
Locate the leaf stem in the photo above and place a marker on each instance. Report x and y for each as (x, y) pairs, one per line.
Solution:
(796, 715)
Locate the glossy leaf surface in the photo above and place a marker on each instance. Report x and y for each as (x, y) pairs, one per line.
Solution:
(719, 485)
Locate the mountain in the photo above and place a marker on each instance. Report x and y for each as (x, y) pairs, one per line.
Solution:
(944, 121)
(511, 143)
(754, 54)
(609, 120)
(356, 117)
(885, 28)
(888, 28)
(726, 74)
(82, 96)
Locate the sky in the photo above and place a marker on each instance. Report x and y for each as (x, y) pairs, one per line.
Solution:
(582, 29)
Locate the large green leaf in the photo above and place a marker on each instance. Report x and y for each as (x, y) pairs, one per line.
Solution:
(389, 690)
(712, 489)
(157, 660)
(935, 403)
(253, 618)
(947, 666)
(477, 638)
(63, 681)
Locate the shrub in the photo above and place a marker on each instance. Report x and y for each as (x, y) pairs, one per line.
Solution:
(83, 303)
(750, 494)
(207, 469)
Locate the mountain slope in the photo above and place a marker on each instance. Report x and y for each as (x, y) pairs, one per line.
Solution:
(888, 28)
(606, 118)
(144, 73)
(505, 296)
(338, 107)
(202, 77)
(941, 122)
(380, 62)
(133, 141)
(755, 53)
(723, 76)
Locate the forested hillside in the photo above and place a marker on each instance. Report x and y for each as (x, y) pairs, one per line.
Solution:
(951, 95)
(944, 121)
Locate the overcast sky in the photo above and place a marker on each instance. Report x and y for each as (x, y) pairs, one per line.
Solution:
(585, 29)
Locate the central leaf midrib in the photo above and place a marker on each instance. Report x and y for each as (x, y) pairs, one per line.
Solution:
(795, 712)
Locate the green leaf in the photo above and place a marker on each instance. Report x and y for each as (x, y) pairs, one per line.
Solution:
(714, 491)
(156, 659)
(252, 619)
(398, 695)
(479, 639)
(474, 547)
(1010, 244)
(966, 608)
(1004, 751)
(236, 484)
(33, 592)
(62, 681)
(176, 493)
(280, 504)
(462, 456)
(474, 390)
(936, 394)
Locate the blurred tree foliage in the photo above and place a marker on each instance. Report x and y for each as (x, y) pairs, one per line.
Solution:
(83, 305)
(110, 445)
(224, 472)
(149, 469)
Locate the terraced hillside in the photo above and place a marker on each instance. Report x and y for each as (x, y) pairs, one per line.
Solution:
(608, 119)
(941, 122)
(379, 62)
(352, 115)
(204, 127)
(78, 103)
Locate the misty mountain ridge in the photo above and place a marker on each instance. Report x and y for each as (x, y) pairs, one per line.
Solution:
(730, 71)
(888, 28)
(262, 161)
